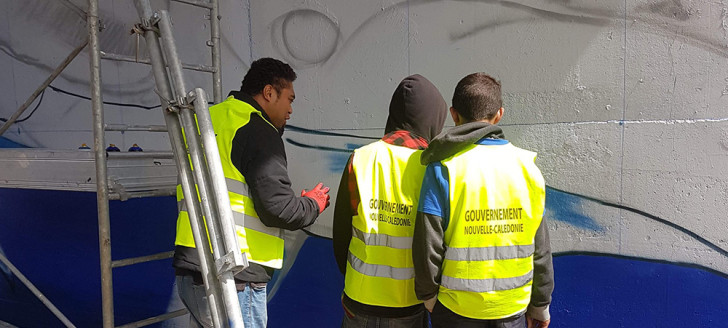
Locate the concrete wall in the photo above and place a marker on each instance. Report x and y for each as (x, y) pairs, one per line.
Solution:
(625, 102)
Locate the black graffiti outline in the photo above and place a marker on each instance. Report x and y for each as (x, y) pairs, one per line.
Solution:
(651, 217)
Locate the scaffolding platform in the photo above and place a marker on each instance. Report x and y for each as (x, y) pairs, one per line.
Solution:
(130, 174)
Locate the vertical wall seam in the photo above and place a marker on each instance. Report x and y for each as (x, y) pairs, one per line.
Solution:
(12, 62)
(250, 33)
(117, 64)
(409, 36)
(624, 117)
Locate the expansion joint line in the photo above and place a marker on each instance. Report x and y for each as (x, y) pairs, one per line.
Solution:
(623, 122)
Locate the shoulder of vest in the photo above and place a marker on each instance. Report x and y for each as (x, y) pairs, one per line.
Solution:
(239, 105)
(524, 152)
(368, 146)
(379, 144)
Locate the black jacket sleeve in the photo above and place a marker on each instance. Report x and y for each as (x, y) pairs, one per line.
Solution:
(258, 153)
(343, 214)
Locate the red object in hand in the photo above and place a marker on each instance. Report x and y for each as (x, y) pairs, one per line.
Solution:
(320, 194)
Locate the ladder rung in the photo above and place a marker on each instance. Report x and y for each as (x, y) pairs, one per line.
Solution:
(142, 259)
(130, 59)
(152, 320)
(140, 154)
(128, 127)
(202, 4)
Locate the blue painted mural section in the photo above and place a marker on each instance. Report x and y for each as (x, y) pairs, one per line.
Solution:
(56, 246)
(52, 237)
(7, 143)
(310, 295)
(610, 292)
(596, 291)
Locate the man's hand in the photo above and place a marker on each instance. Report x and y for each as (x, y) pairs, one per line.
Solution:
(430, 304)
(319, 194)
(533, 323)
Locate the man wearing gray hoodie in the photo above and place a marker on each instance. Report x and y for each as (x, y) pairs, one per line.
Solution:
(481, 248)
(375, 211)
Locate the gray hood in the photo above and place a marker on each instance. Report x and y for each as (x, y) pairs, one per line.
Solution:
(452, 141)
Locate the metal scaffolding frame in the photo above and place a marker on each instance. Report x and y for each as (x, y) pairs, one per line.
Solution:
(180, 109)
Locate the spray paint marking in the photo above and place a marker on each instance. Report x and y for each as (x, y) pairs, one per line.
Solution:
(568, 208)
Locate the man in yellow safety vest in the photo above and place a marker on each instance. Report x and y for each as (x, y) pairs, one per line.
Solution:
(481, 248)
(248, 127)
(375, 212)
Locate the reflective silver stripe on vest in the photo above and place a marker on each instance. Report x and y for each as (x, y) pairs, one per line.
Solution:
(376, 239)
(489, 253)
(237, 187)
(244, 220)
(485, 285)
(253, 223)
(232, 185)
(379, 270)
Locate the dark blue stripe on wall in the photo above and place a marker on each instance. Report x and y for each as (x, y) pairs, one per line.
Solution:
(310, 294)
(592, 290)
(612, 291)
(52, 237)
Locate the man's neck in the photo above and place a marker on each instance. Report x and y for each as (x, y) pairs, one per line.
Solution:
(491, 121)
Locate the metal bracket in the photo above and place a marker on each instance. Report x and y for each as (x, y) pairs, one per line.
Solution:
(147, 24)
(116, 187)
(233, 261)
(190, 100)
(171, 104)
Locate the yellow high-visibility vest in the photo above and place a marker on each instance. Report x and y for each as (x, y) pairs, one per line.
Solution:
(497, 199)
(260, 243)
(379, 270)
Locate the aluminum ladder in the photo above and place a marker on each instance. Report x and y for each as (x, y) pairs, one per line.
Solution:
(220, 254)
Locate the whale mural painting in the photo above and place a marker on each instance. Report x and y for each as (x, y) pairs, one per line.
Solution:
(625, 102)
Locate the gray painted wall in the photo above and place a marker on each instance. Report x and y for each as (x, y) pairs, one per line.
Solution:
(625, 101)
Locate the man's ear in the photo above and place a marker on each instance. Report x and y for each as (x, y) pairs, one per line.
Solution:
(455, 116)
(268, 92)
(498, 116)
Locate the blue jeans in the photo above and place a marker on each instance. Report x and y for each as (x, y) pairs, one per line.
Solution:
(252, 303)
(364, 321)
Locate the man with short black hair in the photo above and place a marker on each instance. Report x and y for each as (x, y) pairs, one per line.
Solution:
(248, 127)
(481, 248)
